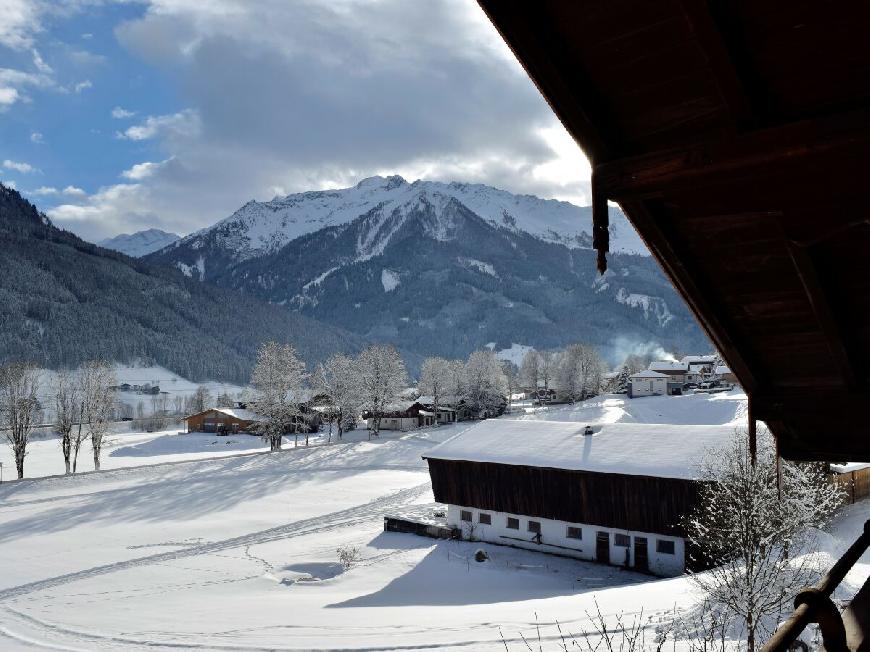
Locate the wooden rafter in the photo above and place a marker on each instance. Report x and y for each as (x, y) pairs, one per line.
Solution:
(834, 333)
(711, 42)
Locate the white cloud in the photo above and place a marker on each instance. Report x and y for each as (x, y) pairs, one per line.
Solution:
(120, 113)
(40, 64)
(83, 85)
(184, 123)
(9, 184)
(8, 96)
(36, 137)
(20, 22)
(73, 191)
(45, 190)
(142, 170)
(18, 166)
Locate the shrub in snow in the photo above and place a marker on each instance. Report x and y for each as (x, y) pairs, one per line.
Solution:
(348, 556)
(480, 555)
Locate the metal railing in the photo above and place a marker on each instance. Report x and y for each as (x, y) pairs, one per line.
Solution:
(814, 605)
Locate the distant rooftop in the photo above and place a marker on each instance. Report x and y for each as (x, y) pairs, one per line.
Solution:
(658, 450)
(648, 373)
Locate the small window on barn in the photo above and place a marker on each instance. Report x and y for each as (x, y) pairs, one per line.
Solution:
(465, 515)
(664, 546)
(535, 526)
(574, 533)
(621, 540)
(513, 523)
(485, 518)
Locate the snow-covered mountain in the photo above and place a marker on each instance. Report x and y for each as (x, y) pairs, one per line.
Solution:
(414, 264)
(140, 243)
(259, 228)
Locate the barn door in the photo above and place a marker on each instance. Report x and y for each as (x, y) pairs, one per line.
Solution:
(602, 547)
(641, 554)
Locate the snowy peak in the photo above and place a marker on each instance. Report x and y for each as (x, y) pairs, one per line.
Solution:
(261, 228)
(140, 243)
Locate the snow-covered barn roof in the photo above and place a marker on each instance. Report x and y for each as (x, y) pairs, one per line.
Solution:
(721, 370)
(658, 450)
(239, 413)
(647, 373)
(698, 359)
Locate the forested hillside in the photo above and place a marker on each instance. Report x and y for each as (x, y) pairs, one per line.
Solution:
(63, 301)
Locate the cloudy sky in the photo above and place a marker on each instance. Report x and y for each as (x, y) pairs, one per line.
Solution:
(119, 116)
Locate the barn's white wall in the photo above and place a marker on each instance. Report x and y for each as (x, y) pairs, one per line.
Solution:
(555, 540)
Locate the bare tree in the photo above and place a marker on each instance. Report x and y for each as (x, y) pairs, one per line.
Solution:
(201, 400)
(530, 369)
(756, 529)
(338, 379)
(277, 379)
(381, 377)
(435, 378)
(68, 414)
(19, 407)
(224, 400)
(178, 404)
(511, 376)
(96, 380)
(547, 367)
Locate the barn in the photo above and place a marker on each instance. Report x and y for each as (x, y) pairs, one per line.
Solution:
(548, 486)
(221, 420)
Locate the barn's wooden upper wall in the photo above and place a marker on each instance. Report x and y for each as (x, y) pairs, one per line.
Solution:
(736, 136)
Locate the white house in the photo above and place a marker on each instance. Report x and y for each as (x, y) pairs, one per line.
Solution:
(616, 496)
(648, 383)
(699, 367)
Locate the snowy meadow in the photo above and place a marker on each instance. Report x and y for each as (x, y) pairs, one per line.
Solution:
(205, 542)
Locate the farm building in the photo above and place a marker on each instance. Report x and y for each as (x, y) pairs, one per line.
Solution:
(547, 486)
(724, 374)
(221, 420)
(648, 383)
(676, 370)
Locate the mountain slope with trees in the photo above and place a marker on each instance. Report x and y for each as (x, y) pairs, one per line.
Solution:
(64, 301)
(429, 274)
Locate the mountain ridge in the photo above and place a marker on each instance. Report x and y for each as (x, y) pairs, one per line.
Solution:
(140, 243)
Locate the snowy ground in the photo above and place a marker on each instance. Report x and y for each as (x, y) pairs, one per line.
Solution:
(239, 553)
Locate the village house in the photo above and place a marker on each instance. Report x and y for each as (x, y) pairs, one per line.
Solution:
(725, 375)
(446, 412)
(673, 368)
(402, 415)
(648, 383)
(699, 367)
(547, 486)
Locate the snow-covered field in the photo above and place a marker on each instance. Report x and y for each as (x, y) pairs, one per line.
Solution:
(239, 552)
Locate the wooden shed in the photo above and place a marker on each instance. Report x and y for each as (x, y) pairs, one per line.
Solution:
(548, 486)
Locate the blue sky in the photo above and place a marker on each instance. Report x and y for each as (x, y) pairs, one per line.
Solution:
(120, 116)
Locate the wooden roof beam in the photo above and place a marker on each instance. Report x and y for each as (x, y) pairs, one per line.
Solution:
(833, 332)
(687, 282)
(650, 175)
(712, 43)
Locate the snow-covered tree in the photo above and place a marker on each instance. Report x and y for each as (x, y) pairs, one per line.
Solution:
(547, 367)
(757, 527)
(485, 384)
(19, 407)
(96, 380)
(436, 376)
(68, 410)
(622, 380)
(338, 379)
(530, 369)
(277, 378)
(382, 376)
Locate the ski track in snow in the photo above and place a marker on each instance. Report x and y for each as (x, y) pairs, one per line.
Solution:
(342, 518)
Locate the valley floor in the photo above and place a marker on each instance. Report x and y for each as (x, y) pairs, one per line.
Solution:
(239, 552)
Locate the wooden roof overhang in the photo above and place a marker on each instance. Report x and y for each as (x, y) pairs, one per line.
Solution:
(735, 135)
